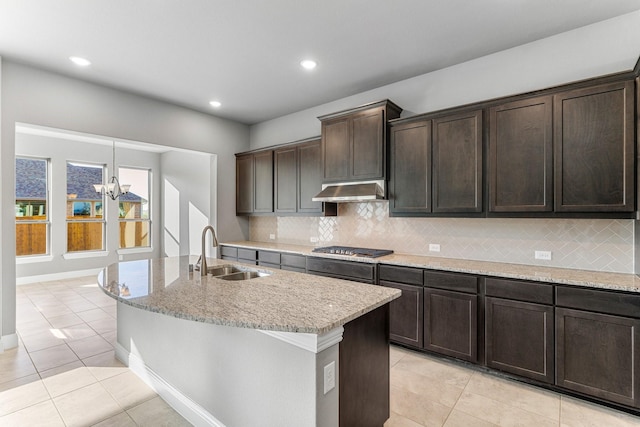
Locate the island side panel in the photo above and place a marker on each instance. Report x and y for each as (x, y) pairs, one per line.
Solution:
(239, 376)
(364, 370)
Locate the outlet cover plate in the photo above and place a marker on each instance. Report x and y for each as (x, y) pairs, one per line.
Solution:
(434, 247)
(544, 255)
(329, 377)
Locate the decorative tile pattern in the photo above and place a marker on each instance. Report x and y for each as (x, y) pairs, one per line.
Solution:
(589, 244)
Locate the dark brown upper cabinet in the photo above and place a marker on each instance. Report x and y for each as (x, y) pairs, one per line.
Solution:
(410, 168)
(436, 166)
(297, 178)
(457, 163)
(594, 149)
(254, 183)
(244, 184)
(281, 181)
(354, 142)
(521, 156)
(309, 176)
(263, 167)
(285, 165)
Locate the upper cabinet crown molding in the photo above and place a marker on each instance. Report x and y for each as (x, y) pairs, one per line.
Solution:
(393, 109)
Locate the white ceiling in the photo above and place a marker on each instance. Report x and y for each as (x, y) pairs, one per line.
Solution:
(246, 53)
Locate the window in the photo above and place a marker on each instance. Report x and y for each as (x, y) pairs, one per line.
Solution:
(134, 216)
(85, 219)
(32, 206)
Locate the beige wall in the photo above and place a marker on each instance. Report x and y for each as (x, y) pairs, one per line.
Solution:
(602, 48)
(38, 97)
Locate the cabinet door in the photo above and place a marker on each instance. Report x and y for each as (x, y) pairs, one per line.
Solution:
(594, 157)
(519, 338)
(457, 163)
(309, 176)
(521, 156)
(336, 149)
(451, 323)
(410, 174)
(405, 314)
(285, 182)
(368, 139)
(263, 182)
(244, 184)
(597, 354)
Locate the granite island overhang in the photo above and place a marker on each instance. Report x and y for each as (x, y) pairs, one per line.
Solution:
(255, 351)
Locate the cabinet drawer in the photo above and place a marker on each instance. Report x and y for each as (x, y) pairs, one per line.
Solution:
(269, 257)
(451, 281)
(342, 269)
(296, 269)
(521, 291)
(407, 275)
(248, 254)
(228, 252)
(296, 261)
(608, 302)
(268, 265)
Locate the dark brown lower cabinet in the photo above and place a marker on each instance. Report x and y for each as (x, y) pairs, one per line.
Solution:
(451, 323)
(598, 355)
(519, 338)
(405, 314)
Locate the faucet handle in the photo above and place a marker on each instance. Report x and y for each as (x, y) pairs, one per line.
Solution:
(198, 263)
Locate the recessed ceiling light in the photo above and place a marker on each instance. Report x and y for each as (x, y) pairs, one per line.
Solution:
(308, 64)
(215, 104)
(81, 62)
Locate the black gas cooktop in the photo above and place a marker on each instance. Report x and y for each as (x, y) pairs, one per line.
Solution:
(347, 250)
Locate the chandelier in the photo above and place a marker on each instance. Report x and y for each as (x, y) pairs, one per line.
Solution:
(113, 188)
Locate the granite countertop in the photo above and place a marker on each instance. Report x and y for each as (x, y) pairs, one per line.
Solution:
(282, 301)
(564, 276)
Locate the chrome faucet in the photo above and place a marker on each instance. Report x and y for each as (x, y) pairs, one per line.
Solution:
(203, 257)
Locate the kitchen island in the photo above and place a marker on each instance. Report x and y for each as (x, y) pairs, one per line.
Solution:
(261, 351)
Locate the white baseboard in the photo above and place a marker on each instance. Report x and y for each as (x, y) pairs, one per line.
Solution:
(8, 342)
(57, 276)
(190, 410)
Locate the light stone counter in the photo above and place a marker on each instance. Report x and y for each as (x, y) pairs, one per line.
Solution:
(283, 301)
(565, 276)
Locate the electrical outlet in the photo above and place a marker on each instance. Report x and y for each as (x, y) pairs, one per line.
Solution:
(313, 239)
(272, 236)
(545, 255)
(434, 247)
(329, 377)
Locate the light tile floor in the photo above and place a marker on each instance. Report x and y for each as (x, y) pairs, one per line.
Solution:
(64, 373)
(429, 391)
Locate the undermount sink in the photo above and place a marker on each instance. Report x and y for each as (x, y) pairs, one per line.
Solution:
(243, 275)
(229, 272)
(221, 270)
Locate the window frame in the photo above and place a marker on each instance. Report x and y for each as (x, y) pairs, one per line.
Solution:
(148, 220)
(69, 219)
(47, 201)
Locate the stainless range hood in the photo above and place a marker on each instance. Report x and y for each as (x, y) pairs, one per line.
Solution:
(360, 191)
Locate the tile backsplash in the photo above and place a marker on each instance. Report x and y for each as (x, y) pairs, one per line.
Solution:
(589, 244)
